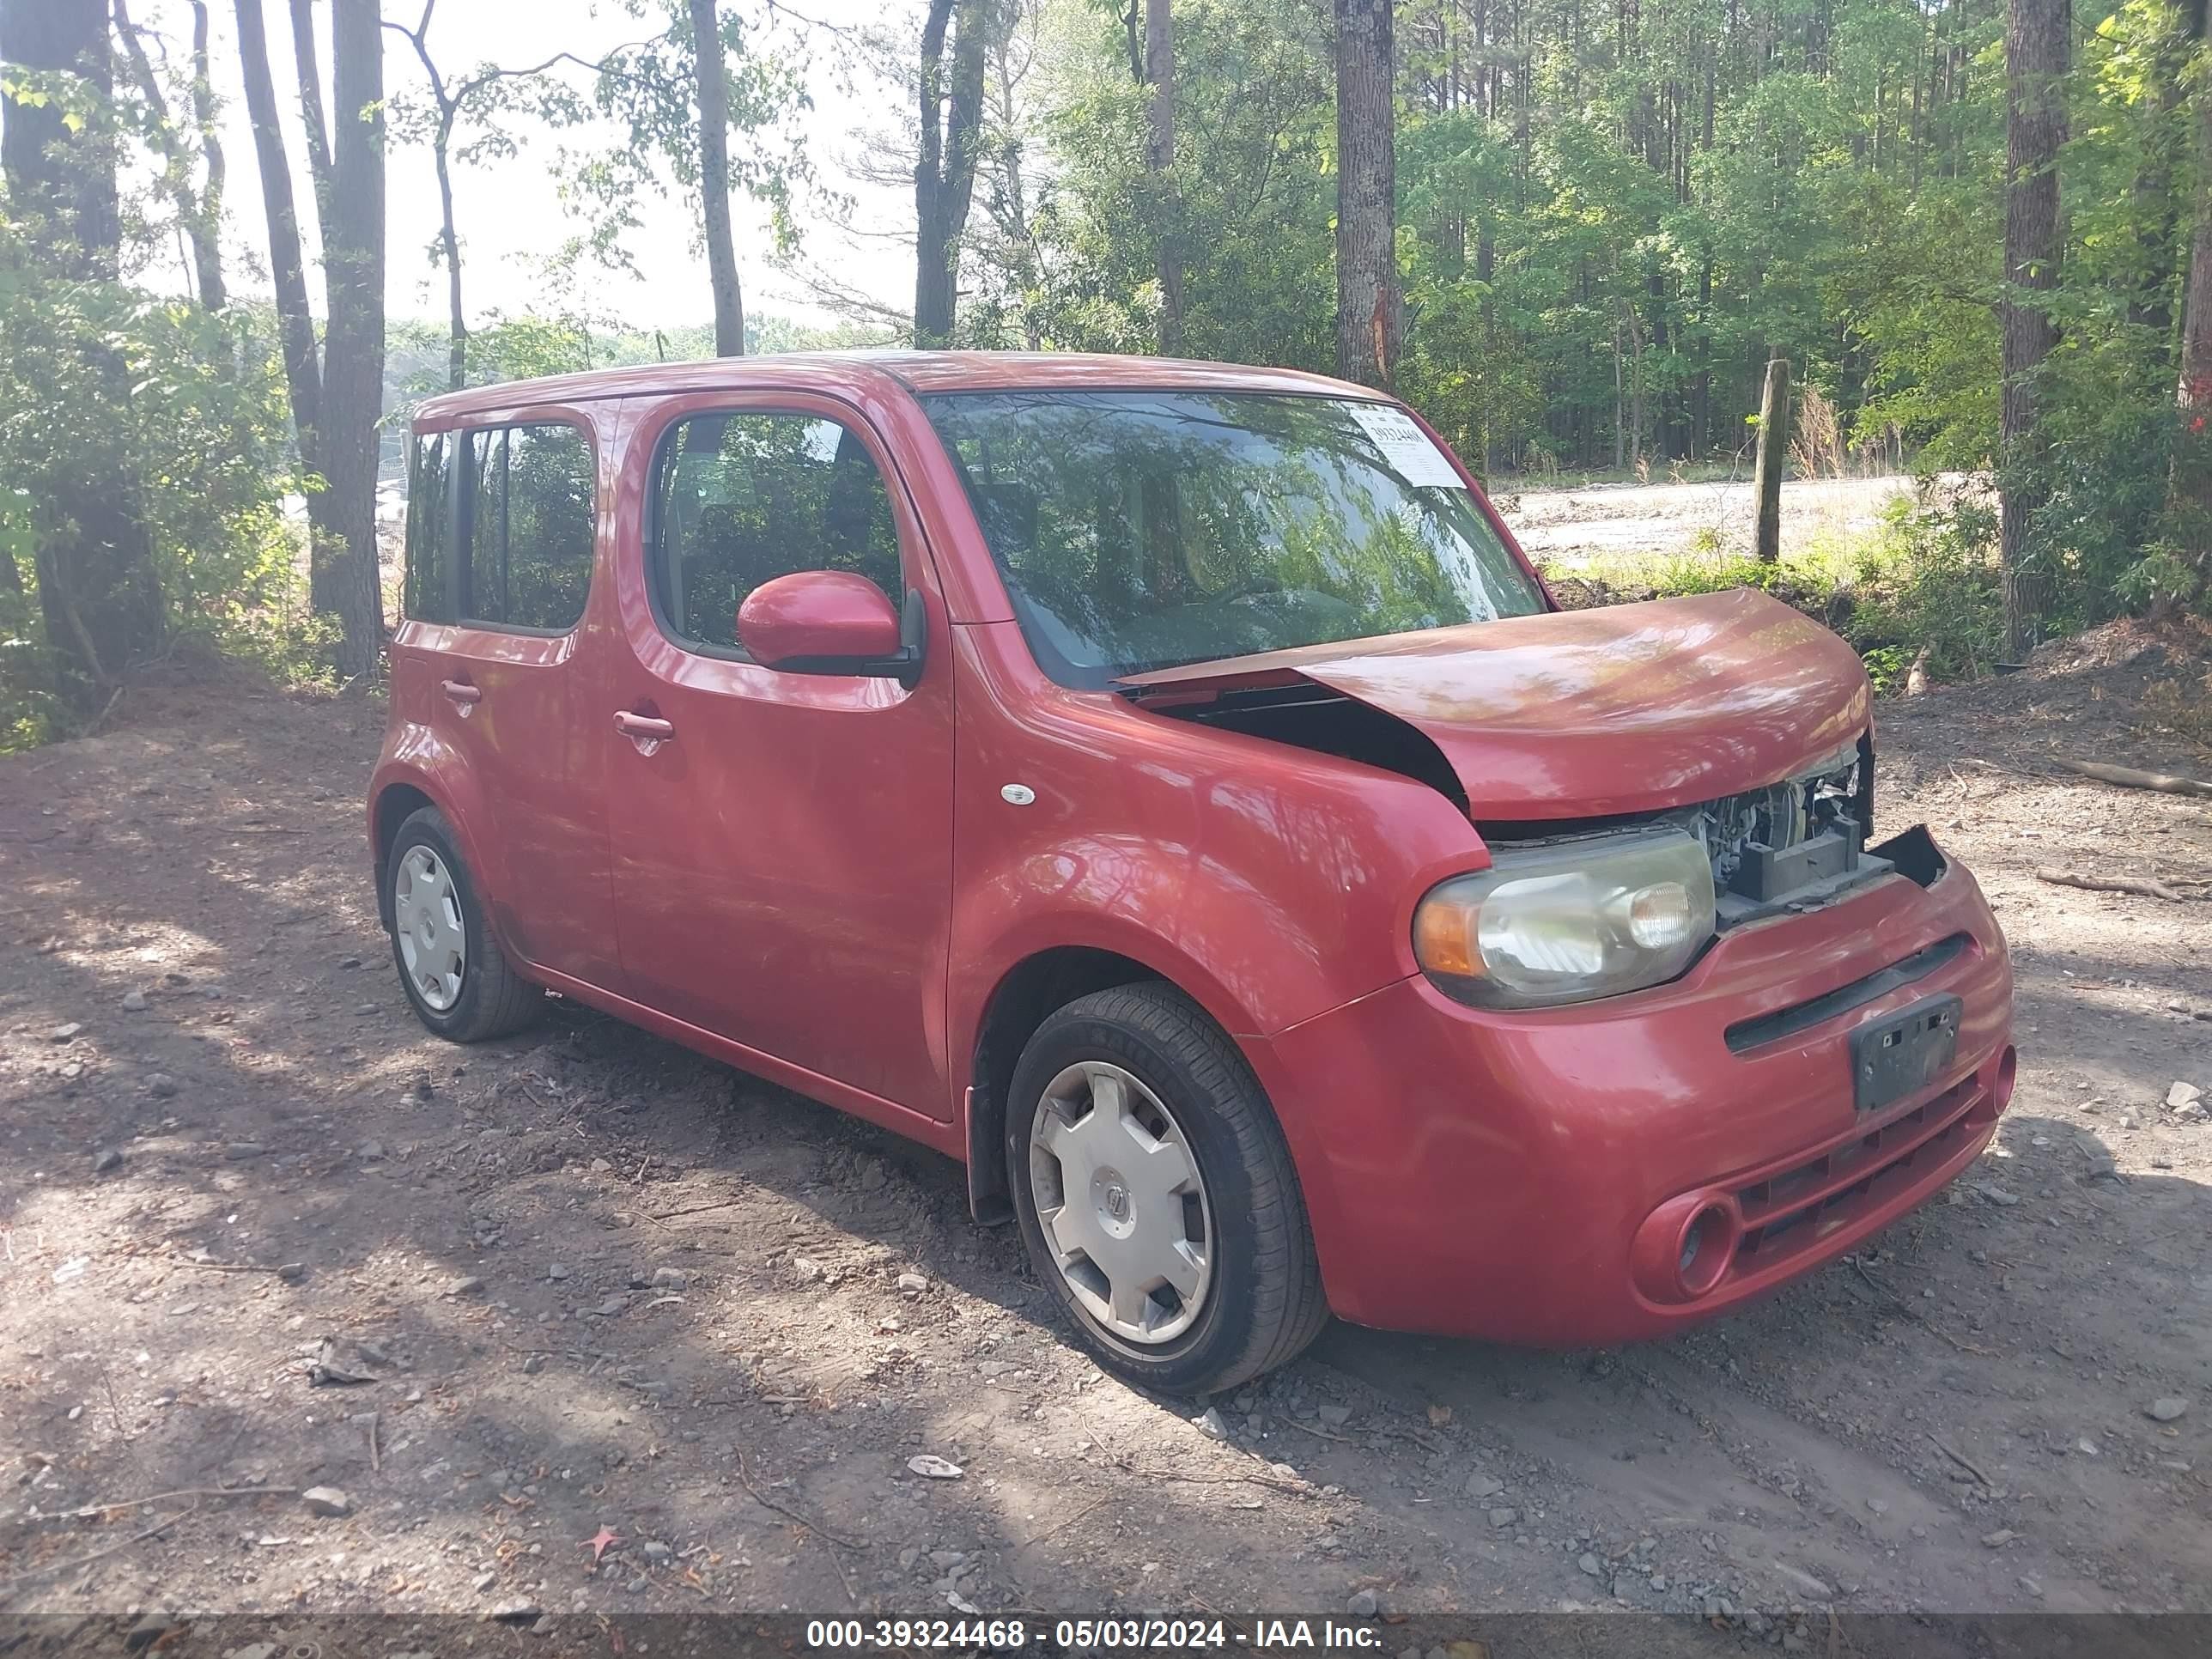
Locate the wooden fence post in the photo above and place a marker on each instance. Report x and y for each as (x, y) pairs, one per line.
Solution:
(1773, 456)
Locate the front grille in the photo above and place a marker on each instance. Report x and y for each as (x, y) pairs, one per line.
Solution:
(1786, 1215)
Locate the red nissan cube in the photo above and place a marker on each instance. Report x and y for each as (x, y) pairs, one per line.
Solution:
(1166, 788)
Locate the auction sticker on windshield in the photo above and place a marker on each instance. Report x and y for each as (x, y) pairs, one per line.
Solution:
(1410, 452)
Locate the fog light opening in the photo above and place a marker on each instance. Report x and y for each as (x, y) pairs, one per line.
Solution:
(1708, 1243)
(2008, 1073)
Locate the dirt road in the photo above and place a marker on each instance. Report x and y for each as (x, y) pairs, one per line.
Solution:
(1570, 530)
(608, 1296)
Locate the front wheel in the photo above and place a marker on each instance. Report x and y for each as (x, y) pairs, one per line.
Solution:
(1156, 1196)
(459, 981)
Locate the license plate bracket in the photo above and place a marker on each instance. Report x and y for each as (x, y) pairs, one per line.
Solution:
(1899, 1053)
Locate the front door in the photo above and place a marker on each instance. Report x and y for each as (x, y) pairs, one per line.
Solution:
(782, 842)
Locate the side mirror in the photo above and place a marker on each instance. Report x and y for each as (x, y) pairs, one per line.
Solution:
(832, 622)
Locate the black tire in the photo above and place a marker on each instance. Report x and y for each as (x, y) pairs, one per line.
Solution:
(1265, 1303)
(494, 1001)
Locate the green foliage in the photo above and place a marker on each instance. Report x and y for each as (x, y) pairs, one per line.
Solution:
(1255, 128)
(1610, 220)
(100, 379)
(650, 89)
(1925, 588)
(1919, 587)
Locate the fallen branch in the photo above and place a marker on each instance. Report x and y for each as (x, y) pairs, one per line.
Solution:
(2143, 886)
(1320, 1434)
(288, 1270)
(693, 1209)
(1963, 1462)
(1264, 1481)
(2127, 777)
(1900, 1305)
(1067, 1519)
(767, 1503)
(87, 1511)
(8, 1586)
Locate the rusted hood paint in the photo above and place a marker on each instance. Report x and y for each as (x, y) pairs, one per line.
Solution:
(1573, 713)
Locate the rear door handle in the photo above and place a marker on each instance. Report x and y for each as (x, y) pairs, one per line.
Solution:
(461, 692)
(643, 726)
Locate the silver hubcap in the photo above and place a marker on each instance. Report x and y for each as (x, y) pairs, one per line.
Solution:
(1119, 1198)
(426, 914)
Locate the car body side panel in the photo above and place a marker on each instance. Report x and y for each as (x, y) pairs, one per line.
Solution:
(1269, 883)
(417, 756)
(900, 1119)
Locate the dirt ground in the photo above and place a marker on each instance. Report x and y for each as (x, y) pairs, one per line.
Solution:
(596, 1288)
(1572, 531)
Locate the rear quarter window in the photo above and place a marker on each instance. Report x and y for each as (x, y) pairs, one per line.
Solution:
(532, 513)
(427, 595)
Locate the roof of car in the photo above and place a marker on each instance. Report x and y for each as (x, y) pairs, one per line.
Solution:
(919, 371)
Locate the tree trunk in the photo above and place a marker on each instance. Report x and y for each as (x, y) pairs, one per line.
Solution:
(714, 179)
(310, 71)
(207, 236)
(1369, 309)
(1159, 161)
(98, 597)
(1635, 383)
(2190, 482)
(1619, 407)
(944, 173)
(198, 216)
(449, 242)
(353, 352)
(2038, 51)
(933, 291)
(448, 104)
(303, 377)
(303, 371)
(63, 183)
(1772, 459)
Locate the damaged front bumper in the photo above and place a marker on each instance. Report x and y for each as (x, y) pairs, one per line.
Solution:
(1614, 1169)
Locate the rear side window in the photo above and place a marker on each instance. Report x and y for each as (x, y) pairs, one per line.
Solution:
(428, 593)
(529, 513)
(741, 499)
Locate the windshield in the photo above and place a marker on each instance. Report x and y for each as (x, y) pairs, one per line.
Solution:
(1143, 530)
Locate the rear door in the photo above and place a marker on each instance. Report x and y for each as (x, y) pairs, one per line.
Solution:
(783, 857)
(515, 681)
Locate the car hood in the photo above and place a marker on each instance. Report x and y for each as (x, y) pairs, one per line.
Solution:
(1587, 713)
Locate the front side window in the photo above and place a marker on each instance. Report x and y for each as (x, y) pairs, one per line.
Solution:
(530, 517)
(742, 498)
(428, 593)
(1143, 530)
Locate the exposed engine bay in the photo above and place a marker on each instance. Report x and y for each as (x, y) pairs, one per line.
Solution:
(1789, 846)
(1792, 844)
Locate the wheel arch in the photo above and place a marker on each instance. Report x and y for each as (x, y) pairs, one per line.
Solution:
(1027, 992)
(396, 794)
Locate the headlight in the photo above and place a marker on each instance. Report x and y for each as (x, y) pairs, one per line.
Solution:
(1569, 921)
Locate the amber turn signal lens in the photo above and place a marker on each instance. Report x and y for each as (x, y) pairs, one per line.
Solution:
(1444, 937)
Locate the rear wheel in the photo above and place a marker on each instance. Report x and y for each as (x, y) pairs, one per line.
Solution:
(460, 983)
(1156, 1196)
